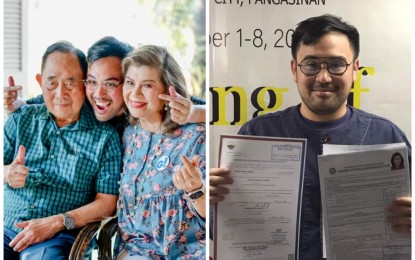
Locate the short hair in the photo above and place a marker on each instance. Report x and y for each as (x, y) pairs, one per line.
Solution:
(170, 74)
(311, 30)
(66, 47)
(107, 47)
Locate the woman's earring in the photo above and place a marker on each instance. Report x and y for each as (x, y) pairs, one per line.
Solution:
(166, 106)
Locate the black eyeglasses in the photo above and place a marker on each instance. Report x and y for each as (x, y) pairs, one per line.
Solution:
(335, 66)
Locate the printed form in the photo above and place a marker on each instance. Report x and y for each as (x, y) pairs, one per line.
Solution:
(259, 218)
(358, 183)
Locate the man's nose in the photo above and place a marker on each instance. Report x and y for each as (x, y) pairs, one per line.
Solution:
(100, 91)
(61, 90)
(323, 76)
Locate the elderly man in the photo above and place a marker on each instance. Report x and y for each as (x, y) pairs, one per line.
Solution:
(63, 164)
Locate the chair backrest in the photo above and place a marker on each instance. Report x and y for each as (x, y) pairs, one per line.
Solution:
(108, 230)
(83, 240)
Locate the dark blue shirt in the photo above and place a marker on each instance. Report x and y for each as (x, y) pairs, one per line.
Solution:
(355, 128)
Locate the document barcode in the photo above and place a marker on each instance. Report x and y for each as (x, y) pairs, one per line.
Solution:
(291, 257)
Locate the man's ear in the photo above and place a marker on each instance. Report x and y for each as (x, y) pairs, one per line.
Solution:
(294, 69)
(39, 79)
(356, 65)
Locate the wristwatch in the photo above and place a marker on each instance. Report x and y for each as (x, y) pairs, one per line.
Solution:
(196, 194)
(68, 221)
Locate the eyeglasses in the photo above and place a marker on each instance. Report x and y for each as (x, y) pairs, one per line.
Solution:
(69, 84)
(335, 66)
(109, 86)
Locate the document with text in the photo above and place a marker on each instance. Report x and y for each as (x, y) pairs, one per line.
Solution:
(260, 217)
(358, 183)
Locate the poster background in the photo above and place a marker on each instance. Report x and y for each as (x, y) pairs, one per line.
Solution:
(385, 51)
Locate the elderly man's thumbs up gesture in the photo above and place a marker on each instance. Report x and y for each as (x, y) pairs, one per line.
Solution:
(16, 172)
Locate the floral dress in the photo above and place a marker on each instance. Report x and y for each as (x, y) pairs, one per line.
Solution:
(155, 220)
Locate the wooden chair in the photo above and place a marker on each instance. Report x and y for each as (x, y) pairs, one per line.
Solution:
(105, 247)
(83, 240)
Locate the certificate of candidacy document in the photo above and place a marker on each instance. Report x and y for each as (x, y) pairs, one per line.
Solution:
(358, 183)
(259, 218)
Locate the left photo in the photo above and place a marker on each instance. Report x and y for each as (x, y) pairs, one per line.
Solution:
(104, 129)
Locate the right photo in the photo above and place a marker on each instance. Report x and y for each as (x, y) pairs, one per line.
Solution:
(310, 129)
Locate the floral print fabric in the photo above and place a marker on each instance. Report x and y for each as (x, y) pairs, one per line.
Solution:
(155, 220)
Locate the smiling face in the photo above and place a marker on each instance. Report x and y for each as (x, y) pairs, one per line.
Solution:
(142, 85)
(106, 105)
(324, 95)
(62, 88)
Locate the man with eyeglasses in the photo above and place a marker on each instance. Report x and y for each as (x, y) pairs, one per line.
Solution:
(324, 64)
(103, 86)
(61, 164)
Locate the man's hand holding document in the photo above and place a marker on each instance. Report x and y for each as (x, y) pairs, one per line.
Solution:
(366, 201)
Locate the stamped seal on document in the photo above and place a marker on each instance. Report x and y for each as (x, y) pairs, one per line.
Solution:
(286, 152)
